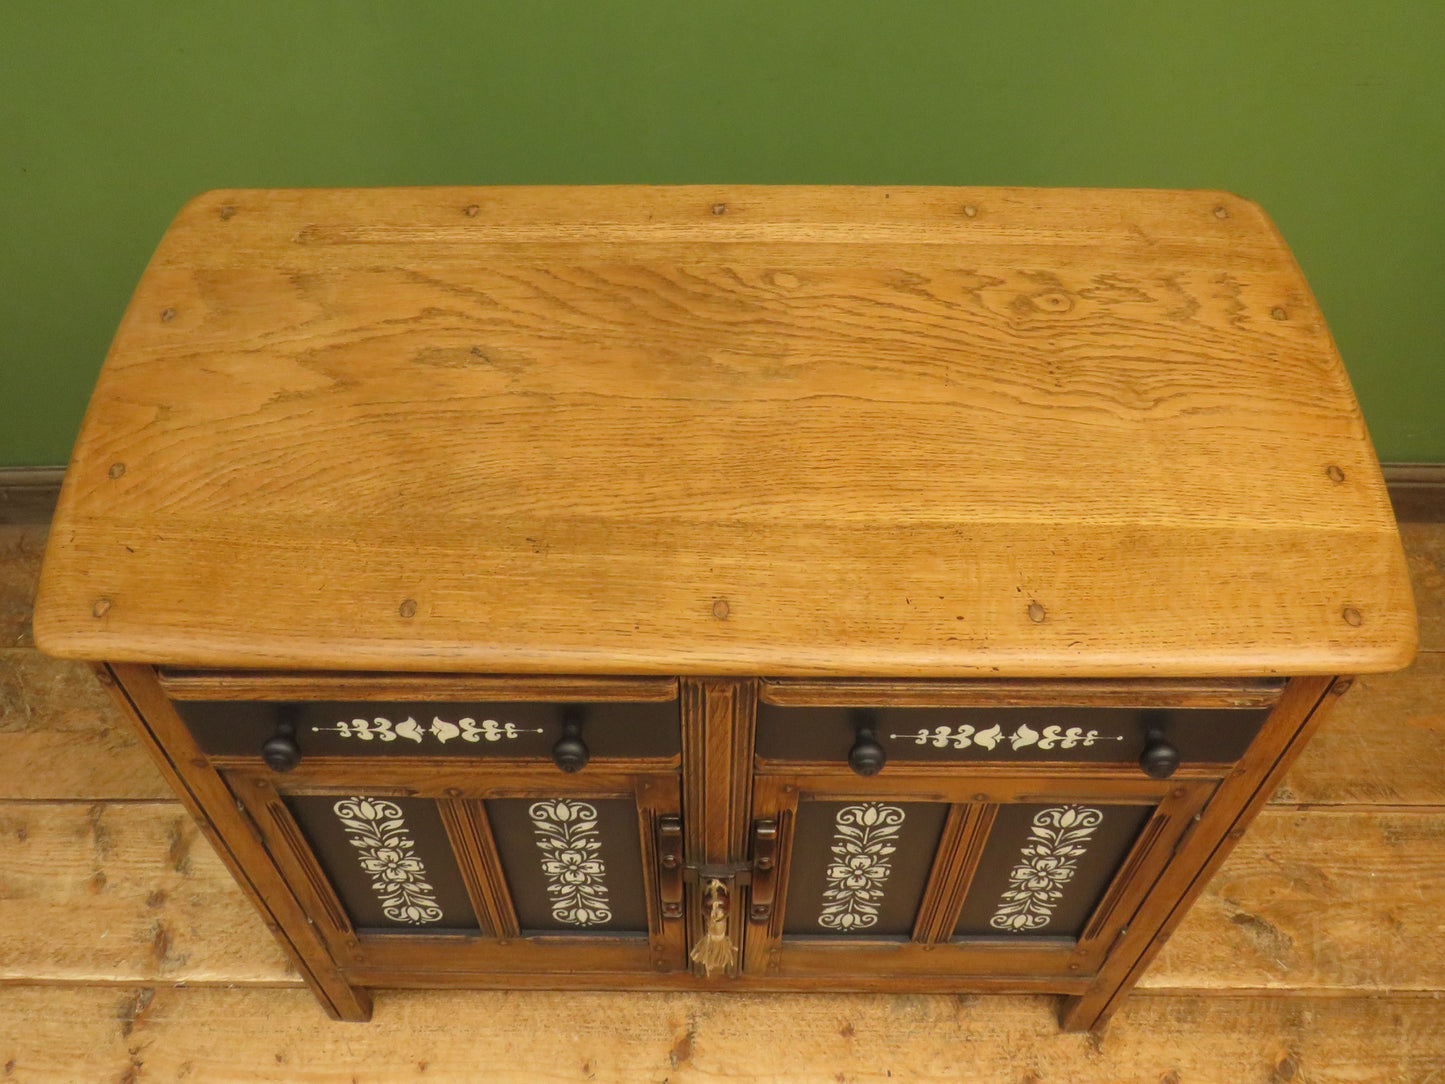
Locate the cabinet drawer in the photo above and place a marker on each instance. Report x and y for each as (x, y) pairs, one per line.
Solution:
(984, 735)
(527, 729)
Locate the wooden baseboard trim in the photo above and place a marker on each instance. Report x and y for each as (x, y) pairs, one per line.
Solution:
(1417, 490)
(28, 494)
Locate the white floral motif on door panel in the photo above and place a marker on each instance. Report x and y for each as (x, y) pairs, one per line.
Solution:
(571, 849)
(1057, 840)
(864, 840)
(386, 851)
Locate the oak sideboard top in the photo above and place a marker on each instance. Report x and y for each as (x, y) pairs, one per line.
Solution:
(880, 432)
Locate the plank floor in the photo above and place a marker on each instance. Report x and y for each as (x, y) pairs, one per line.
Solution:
(128, 955)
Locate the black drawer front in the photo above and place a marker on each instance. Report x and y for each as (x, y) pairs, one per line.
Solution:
(1001, 735)
(422, 729)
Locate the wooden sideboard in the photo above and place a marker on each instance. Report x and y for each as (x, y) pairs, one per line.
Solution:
(732, 588)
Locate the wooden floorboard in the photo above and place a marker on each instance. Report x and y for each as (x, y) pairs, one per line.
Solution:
(1320, 902)
(128, 954)
(1382, 746)
(62, 738)
(21, 549)
(1425, 552)
(262, 1036)
(132, 892)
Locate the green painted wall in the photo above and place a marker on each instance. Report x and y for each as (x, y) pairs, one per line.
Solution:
(1331, 114)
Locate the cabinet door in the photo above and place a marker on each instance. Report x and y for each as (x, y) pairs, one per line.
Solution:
(477, 867)
(1013, 878)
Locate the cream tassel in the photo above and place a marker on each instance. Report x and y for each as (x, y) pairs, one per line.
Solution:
(714, 950)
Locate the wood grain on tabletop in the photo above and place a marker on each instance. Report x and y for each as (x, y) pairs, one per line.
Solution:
(876, 432)
(62, 738)
(278, 1035)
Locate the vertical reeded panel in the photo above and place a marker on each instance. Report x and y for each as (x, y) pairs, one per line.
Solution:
(388, 860)
(860, 868)
(1045, 868)
(573, 864)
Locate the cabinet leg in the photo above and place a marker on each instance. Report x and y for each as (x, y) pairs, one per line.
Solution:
(351, 1003)
(1074, 1015)
(233, 835)
(1300, 711)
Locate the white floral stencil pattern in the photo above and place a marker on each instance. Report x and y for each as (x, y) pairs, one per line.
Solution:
(384, 730)
(566, 833)
(385, 850)
(1057, 840)
(864, 839)
(965, 736)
